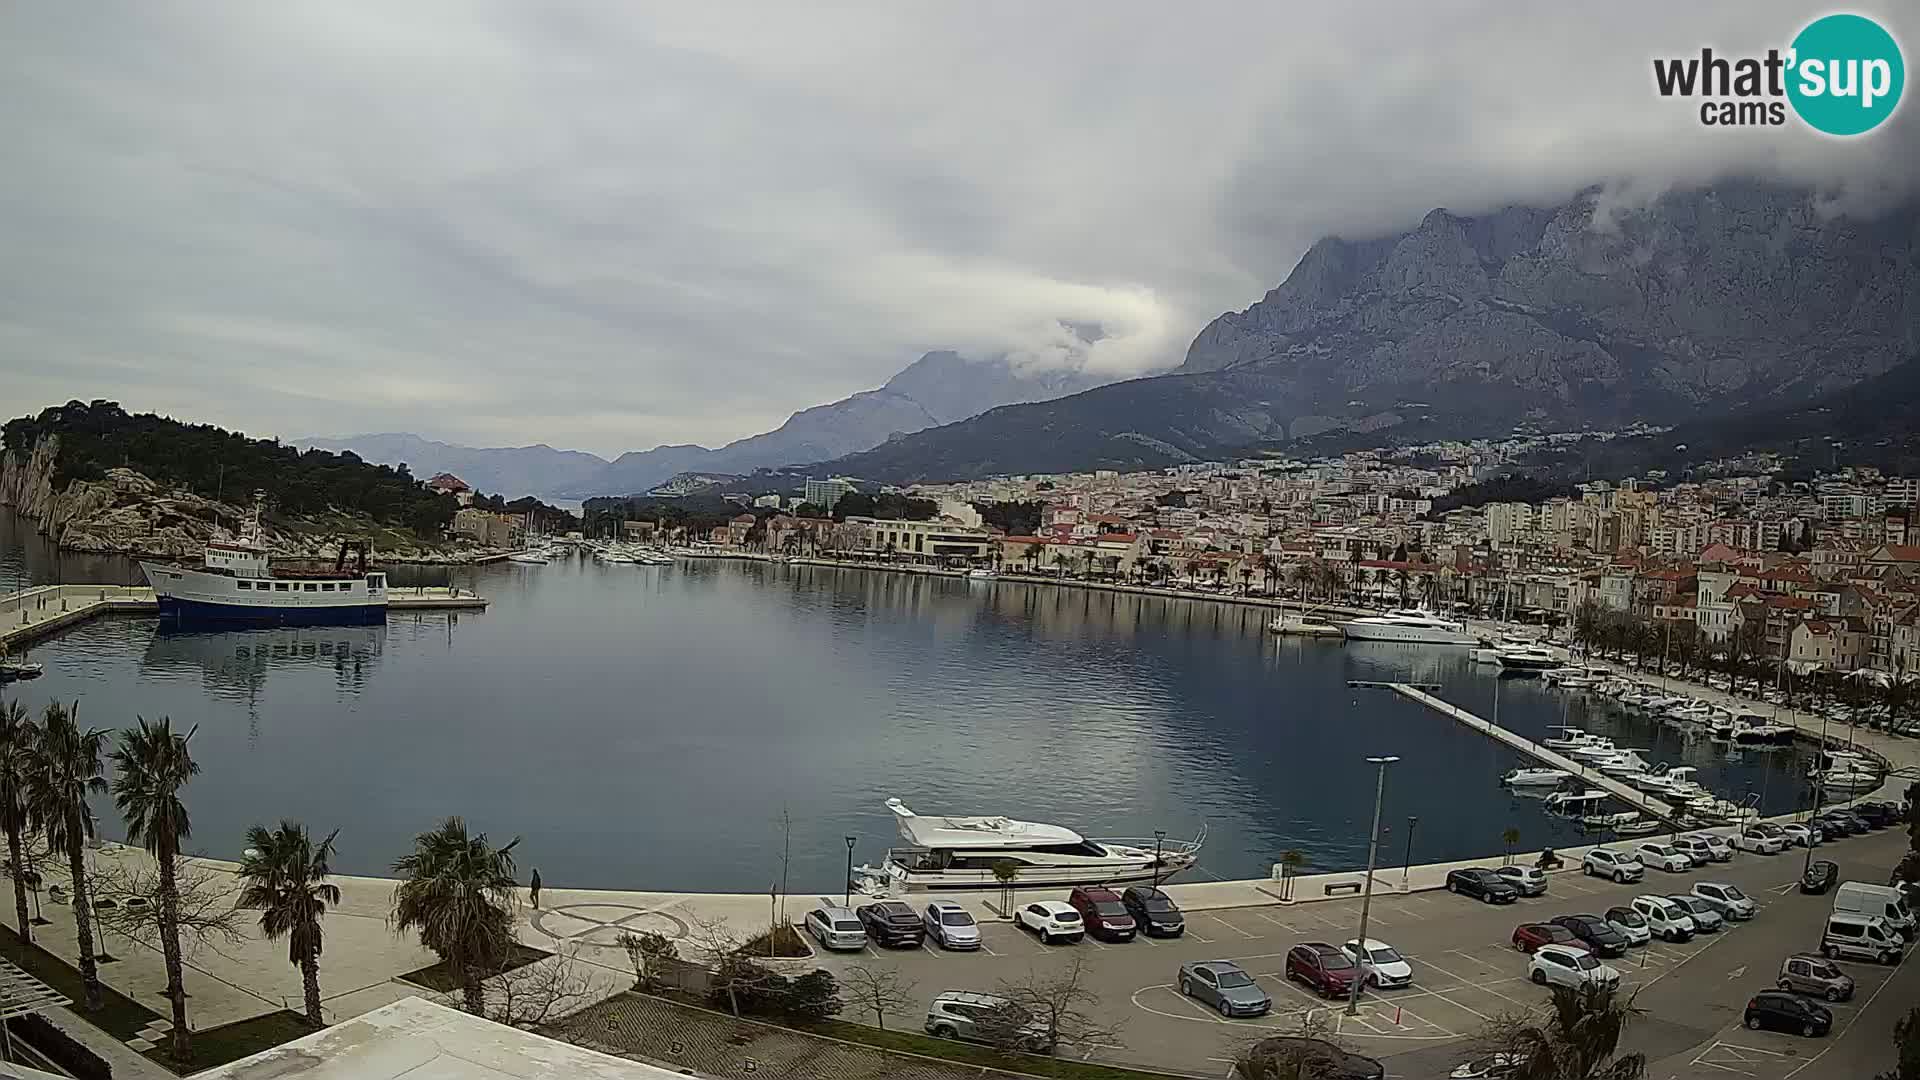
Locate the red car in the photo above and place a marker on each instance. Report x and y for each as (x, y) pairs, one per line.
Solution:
(1323, 968)
(1530, 936)
(1104, 915)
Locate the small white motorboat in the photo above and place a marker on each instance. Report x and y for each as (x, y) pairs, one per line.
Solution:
(529, 558)
(1301, 624)
(981, 574)
(1535, 777)
(1568, 738)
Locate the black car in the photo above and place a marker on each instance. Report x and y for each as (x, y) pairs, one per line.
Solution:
(1878, 815)
(1481, 884)
(1781, 1011)
(1292, 1055)
(1819, 877)
(891, 922)
(1854, 822)
(1831, 828)
(1595, 934)
(1154, 911)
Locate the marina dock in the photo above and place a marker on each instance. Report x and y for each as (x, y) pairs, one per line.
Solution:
(1633, 797)
(34, 613)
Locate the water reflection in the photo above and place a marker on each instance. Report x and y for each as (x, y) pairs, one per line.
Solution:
(236, 663)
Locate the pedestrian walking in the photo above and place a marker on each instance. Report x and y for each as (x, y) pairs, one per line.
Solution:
(533, 886)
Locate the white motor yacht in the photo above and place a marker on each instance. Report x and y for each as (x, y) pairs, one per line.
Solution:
(1568, 738)
(1850, 781)
(1599, 749)
(1527, 658)
(1412, 626)
(1576, 804)
(949, 853)
(1302, 624)
(1535, 777)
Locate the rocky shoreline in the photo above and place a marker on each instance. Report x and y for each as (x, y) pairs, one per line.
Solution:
(128, 514)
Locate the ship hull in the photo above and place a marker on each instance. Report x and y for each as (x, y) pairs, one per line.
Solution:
(1406, 635)
(201, 611)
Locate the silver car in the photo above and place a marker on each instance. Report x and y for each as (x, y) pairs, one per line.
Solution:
(1706, 917)
(836, 928)
(963, 1014)
(1225, 986)
(1530, 880)
(951, 925)
(1727, 899)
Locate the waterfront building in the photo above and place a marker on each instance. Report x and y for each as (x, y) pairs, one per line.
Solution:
(825, 493)
(937, 540)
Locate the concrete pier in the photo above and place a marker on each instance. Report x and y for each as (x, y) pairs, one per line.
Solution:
(1632, 796)
(34, 613)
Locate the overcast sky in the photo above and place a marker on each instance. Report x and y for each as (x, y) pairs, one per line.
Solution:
(611, 225)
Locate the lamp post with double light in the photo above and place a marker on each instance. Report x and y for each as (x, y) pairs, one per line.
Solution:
(1366, 892)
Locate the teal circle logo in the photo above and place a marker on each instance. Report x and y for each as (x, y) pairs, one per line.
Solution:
(1846, 75)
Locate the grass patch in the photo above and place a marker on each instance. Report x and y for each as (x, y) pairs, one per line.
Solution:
(118, 1015)
(217, 1046)
(441, 977)
(912, 1042)
(787, 944)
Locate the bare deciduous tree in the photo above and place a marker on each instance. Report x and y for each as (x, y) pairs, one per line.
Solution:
(732, 975)
(876, 990)
(649, 953)
(541, 992)
(1062, 1005)
(126, 889)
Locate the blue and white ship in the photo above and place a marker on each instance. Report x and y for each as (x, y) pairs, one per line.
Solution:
(238, 584)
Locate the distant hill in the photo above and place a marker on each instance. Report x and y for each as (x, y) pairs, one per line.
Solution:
(1738, 297)
(511, 470)
(938, 388)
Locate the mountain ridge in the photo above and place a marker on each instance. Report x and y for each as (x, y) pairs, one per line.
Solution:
(1574, 315)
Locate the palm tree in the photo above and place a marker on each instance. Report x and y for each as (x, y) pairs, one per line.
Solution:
(1062, 560)
(1402, 578)
(65, 769)
(151, 765)
(1303, 577)
(16, 757)
(1510, 838)
(1576, 1039)
(286, 879)
(458, 893)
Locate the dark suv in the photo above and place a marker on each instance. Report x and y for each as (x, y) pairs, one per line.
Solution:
(1105, 916)
(1154, 912)
(1594, 932)
(1481, 884)
(893, 923)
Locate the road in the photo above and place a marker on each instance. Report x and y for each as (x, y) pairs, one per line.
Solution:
(1467, 972)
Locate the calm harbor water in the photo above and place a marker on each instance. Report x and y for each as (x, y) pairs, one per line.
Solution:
(646, 727)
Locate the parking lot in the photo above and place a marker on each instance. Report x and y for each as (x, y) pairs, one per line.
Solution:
(1466, 972)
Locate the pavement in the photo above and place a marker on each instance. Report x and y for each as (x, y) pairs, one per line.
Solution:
(1466, 972)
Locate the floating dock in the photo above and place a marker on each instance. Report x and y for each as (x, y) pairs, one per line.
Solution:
(1626, 793)
(34, 613)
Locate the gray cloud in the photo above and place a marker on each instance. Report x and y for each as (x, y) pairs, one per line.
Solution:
(605, 226)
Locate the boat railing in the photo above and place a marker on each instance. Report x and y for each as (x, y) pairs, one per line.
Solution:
(1167, 844)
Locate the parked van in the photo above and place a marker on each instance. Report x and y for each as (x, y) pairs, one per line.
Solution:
(1861, 937)
(1878, 901)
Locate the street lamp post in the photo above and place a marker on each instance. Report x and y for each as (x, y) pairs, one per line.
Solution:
(1159, 838)
(1406, 867)
(1366, 893)
(847, 899)
(1819, 788)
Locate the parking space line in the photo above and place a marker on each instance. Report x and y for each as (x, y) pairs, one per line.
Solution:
(1230, 926)
(930, 950)
(1277, 922)
(1479, 986)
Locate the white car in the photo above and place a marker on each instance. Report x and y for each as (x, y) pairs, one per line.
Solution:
(1051, 921)
(1799, 835)
(1569, 965)
(1722, 851)
(1530, 880)
(1696, 850)
(1630, 925)
(1761, 839)
(1383, 964)
(1621, 866)
(1726, 899)
(1665, 856)
(1665, 919)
